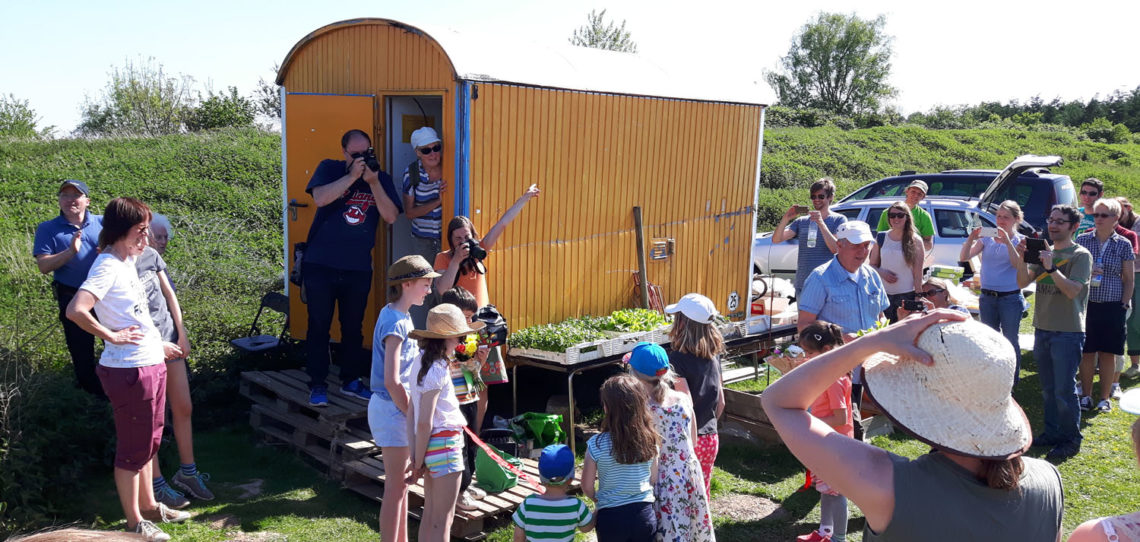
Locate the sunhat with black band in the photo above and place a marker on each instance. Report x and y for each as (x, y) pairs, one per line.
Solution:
(961, 403)
(445, 321)
(410, 268)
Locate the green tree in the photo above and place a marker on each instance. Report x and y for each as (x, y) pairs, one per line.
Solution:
(267, 96)
(220, 111)
(838, 63)
(140, 99)
(18, 119)
(598, 34)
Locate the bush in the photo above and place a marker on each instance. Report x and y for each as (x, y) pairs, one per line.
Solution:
(222, 111)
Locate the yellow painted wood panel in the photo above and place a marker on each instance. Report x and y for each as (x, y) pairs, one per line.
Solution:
(689, 165)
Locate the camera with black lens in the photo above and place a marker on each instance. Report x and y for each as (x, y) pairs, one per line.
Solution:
(475, 256)
(369, 157)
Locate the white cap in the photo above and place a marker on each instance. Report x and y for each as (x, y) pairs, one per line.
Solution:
(855, 232)
(695, 307)
(424, 136)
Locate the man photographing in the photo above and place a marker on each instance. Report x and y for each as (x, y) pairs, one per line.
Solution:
(351, 197)
(815, 232)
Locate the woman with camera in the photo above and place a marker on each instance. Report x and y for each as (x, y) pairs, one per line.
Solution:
(1001, 304)
(460, 267)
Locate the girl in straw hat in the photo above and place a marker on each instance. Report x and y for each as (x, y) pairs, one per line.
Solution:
(436, 424)
(946, 381)
(1125, 528)
(409, 282)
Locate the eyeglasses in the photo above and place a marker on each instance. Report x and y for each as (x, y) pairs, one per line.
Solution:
(428, 150)
(932, 292)
(818, 196)
(1058, 221)
(893, 216)
(1087, 193)
(144, 230)
(70, 195)
(1103, 215)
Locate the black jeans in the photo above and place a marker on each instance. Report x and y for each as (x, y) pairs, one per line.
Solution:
(469, 411)
(327, 289)
(80, 344)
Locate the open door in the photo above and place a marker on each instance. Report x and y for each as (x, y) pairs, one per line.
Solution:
(405, 115)
(312, 130)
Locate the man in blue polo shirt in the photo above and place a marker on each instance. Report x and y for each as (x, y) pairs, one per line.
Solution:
(351, 199)
(846, 292)
(66, 246)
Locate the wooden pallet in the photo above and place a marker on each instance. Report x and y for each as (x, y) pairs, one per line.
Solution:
(366, 476)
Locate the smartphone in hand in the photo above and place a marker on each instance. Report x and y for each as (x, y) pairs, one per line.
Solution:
(988, 232)
(801, 209)
(1033, 248)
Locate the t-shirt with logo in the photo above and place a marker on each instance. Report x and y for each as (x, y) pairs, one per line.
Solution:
(344, 231)
(121, 303)
(1052, 309)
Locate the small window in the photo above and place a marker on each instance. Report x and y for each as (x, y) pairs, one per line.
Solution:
(873, 214)
(952, 224)
(851, 214)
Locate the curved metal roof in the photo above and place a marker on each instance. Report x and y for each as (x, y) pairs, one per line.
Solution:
(492, 59)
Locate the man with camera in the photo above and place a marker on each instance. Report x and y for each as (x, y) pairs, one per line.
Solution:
(352, 195)
(1062, 275)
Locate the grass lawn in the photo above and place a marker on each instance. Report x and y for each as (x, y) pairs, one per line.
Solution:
(295, 502)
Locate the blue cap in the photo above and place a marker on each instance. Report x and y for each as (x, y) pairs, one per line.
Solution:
(79, 185)
(649, 359)
(556, 464)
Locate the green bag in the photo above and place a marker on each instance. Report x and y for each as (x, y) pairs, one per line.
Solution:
(492, 477)
(544, 429)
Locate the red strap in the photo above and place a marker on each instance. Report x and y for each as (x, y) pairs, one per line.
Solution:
(807, 481)
(523, 477)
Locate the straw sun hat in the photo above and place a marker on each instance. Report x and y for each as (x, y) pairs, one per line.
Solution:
(962, 403)
(446, 321)
(411, 267)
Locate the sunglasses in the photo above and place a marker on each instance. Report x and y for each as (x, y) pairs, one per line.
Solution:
(932, 292)
(428, 150)
(1058, 221)
(1102, 215)
(1087, 193)
(896, 215)
(818, 196)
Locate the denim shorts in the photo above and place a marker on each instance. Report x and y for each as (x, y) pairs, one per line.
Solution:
(387, 423)
(444, 453)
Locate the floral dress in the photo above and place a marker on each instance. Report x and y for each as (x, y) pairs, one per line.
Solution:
(682, 506)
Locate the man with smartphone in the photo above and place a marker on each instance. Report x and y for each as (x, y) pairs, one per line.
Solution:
(1062, 278)
(814, 232)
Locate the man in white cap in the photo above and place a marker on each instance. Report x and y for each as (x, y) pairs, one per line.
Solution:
(422, 192)
(915, 192)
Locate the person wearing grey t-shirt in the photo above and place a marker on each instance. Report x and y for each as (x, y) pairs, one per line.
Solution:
(815, 232)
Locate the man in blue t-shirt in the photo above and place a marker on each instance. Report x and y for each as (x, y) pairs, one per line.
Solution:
(814, 232)
(66, 246)
(351, 199)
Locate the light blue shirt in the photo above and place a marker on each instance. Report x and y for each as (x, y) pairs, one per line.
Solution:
(832, 295)
(811, 258)
(997, 273)
(392, 323)
(618, 484)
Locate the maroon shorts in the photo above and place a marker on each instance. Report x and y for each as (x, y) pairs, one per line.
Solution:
(138, 398)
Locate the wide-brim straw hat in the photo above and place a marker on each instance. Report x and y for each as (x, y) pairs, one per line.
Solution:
(446, 321)
(410, 267)
(961, 404)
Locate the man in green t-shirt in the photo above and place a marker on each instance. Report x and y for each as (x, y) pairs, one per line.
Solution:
(915, 192)
(1059, 321)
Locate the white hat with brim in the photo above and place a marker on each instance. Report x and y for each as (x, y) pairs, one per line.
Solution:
(695, 307)
(855, 232)
(960, 404)
(445, 321)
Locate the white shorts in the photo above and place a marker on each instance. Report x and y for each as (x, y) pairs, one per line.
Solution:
(387, 423)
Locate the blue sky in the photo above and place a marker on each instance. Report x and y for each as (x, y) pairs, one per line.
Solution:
(58, 52)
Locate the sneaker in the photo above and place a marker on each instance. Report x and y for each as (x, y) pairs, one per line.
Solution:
(319, 396)
(466, 503)
(356, 390)
(150, 532)
(476, 493)
(1085, 403)
(1079, 391)
(1132, 371)
(1104, 405)
(194, 485)
(1042, 440)
(1062, 452)
(171, 497)
(1116, 392)
(814, 536)
(162, 514)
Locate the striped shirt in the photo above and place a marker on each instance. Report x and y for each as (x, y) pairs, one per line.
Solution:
(618, 484)
(464, 386)
(429, 225)
(554, 520)
(1110, 257)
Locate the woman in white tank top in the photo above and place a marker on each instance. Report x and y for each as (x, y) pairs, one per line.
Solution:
(898, 256)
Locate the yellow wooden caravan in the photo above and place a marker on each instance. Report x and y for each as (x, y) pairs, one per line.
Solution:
(600, 132)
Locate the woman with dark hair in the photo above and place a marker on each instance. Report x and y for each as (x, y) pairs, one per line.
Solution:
(946, 381)
(457, 270)
(897, 256)
(131, 369)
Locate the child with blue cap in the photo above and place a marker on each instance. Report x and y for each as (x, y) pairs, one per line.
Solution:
(553, 515)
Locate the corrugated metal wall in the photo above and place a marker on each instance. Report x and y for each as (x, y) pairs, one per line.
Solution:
(690, 166)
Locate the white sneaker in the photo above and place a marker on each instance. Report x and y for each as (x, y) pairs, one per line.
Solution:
(1116, 392)
(150, 532)
(466, 503)
(1132, 371)
(1104, 405)
(1079, 390)
(476, 493)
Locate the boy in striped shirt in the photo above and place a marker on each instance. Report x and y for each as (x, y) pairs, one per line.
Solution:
(553, 515)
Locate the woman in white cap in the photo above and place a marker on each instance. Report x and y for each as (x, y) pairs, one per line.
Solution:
(946, 381)
(1124, 528)
(422, 191)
